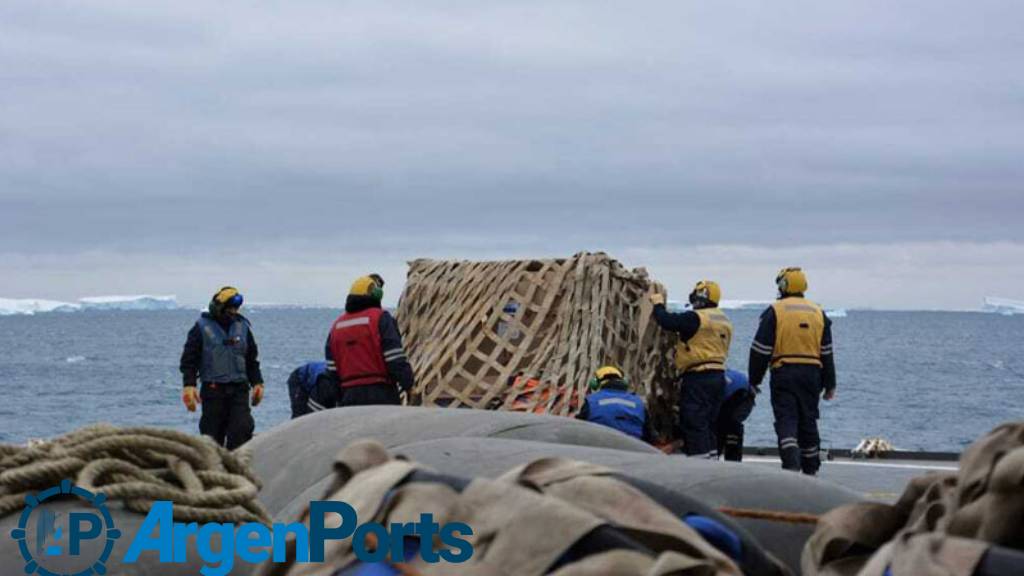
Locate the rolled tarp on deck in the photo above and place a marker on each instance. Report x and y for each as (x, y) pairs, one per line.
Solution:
(294, 461)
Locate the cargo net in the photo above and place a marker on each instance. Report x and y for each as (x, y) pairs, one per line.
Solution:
(527, 335)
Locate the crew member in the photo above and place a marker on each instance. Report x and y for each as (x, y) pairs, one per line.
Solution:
(366, 363)
(705, 333)
(220, 352)
(795, 340)
(612, 404)
(301, 383)
(737, 403)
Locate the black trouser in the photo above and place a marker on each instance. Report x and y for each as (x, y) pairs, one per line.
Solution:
(226, 417)
(369, 394)
(700, 398)
(299, 398)
(729, 428)
(796, 389)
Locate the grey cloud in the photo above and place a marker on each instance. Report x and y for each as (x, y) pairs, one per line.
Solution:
(486, 126)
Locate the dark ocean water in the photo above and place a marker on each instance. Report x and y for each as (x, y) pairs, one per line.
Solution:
(924, 380)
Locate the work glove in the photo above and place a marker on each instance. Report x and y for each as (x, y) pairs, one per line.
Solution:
(190, 398)
(657, 298)
(257, 394)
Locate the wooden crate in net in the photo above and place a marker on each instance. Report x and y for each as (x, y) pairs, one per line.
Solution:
(528, 334)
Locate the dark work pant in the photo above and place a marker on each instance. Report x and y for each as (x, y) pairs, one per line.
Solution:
(299, 398)
(700, 398)
(729, 428)
(795, 391)
(369, 394)
(226, 417)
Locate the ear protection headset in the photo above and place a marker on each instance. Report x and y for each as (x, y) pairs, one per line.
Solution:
(229, 297)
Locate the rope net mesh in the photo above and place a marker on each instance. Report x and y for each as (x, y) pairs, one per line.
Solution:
(528, 334)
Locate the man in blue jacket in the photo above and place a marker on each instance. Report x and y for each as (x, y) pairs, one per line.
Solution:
(301, 384)
(612, 404)
(736, 407)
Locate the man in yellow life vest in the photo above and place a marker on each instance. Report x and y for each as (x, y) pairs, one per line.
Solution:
(795, 340)
(704, 337)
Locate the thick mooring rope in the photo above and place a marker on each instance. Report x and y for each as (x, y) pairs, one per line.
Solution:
(138, 466)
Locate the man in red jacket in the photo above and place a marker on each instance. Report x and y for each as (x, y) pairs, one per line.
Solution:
(366, 363)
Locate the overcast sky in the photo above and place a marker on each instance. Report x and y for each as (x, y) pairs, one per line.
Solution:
(287, 147)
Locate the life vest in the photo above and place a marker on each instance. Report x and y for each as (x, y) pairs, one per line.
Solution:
(224, 351)
(799, 325)
(356, 350)
(619, 409)
(709, 347)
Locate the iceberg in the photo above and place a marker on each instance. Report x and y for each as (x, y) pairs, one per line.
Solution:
(30, 306)
(139, 302)
(836, 313)
(1003, 306)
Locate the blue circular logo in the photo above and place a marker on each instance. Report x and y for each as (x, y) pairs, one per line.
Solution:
(82, 526)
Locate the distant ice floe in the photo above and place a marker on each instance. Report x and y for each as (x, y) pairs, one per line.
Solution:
(1003, 306)
(29, 306)
(836, 313)
(744, 304)
(74, 359)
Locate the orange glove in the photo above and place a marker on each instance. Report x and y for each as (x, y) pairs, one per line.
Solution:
(190, 398)
(257, 394)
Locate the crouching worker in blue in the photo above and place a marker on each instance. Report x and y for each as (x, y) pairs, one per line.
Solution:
(220, 352)
(736, 407)
(611, 404)
(301, 384)
(704, 337)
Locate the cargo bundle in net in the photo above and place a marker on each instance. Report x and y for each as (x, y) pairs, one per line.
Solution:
(528, 334)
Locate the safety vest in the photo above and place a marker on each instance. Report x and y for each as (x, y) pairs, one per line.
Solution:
(709, 347)
(356, 350)
(223, 351)
(617, 409)
(799, 325)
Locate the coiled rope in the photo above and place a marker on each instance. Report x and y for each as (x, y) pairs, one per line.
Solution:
(138, 466)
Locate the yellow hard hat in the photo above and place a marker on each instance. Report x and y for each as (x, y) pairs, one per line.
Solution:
(706, 291)
(791, 280)
(367, 286)
(227, 297)
(608, 372)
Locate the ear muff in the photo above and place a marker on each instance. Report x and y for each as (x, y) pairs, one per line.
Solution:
(791, 281)
(368, 286)
(706, 291)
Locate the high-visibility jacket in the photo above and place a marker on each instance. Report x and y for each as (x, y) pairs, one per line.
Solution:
(619, 409)
(799, 325)
(356, 349)
(709, 347)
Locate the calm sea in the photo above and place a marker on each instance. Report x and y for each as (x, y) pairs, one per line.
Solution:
(924, 380)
